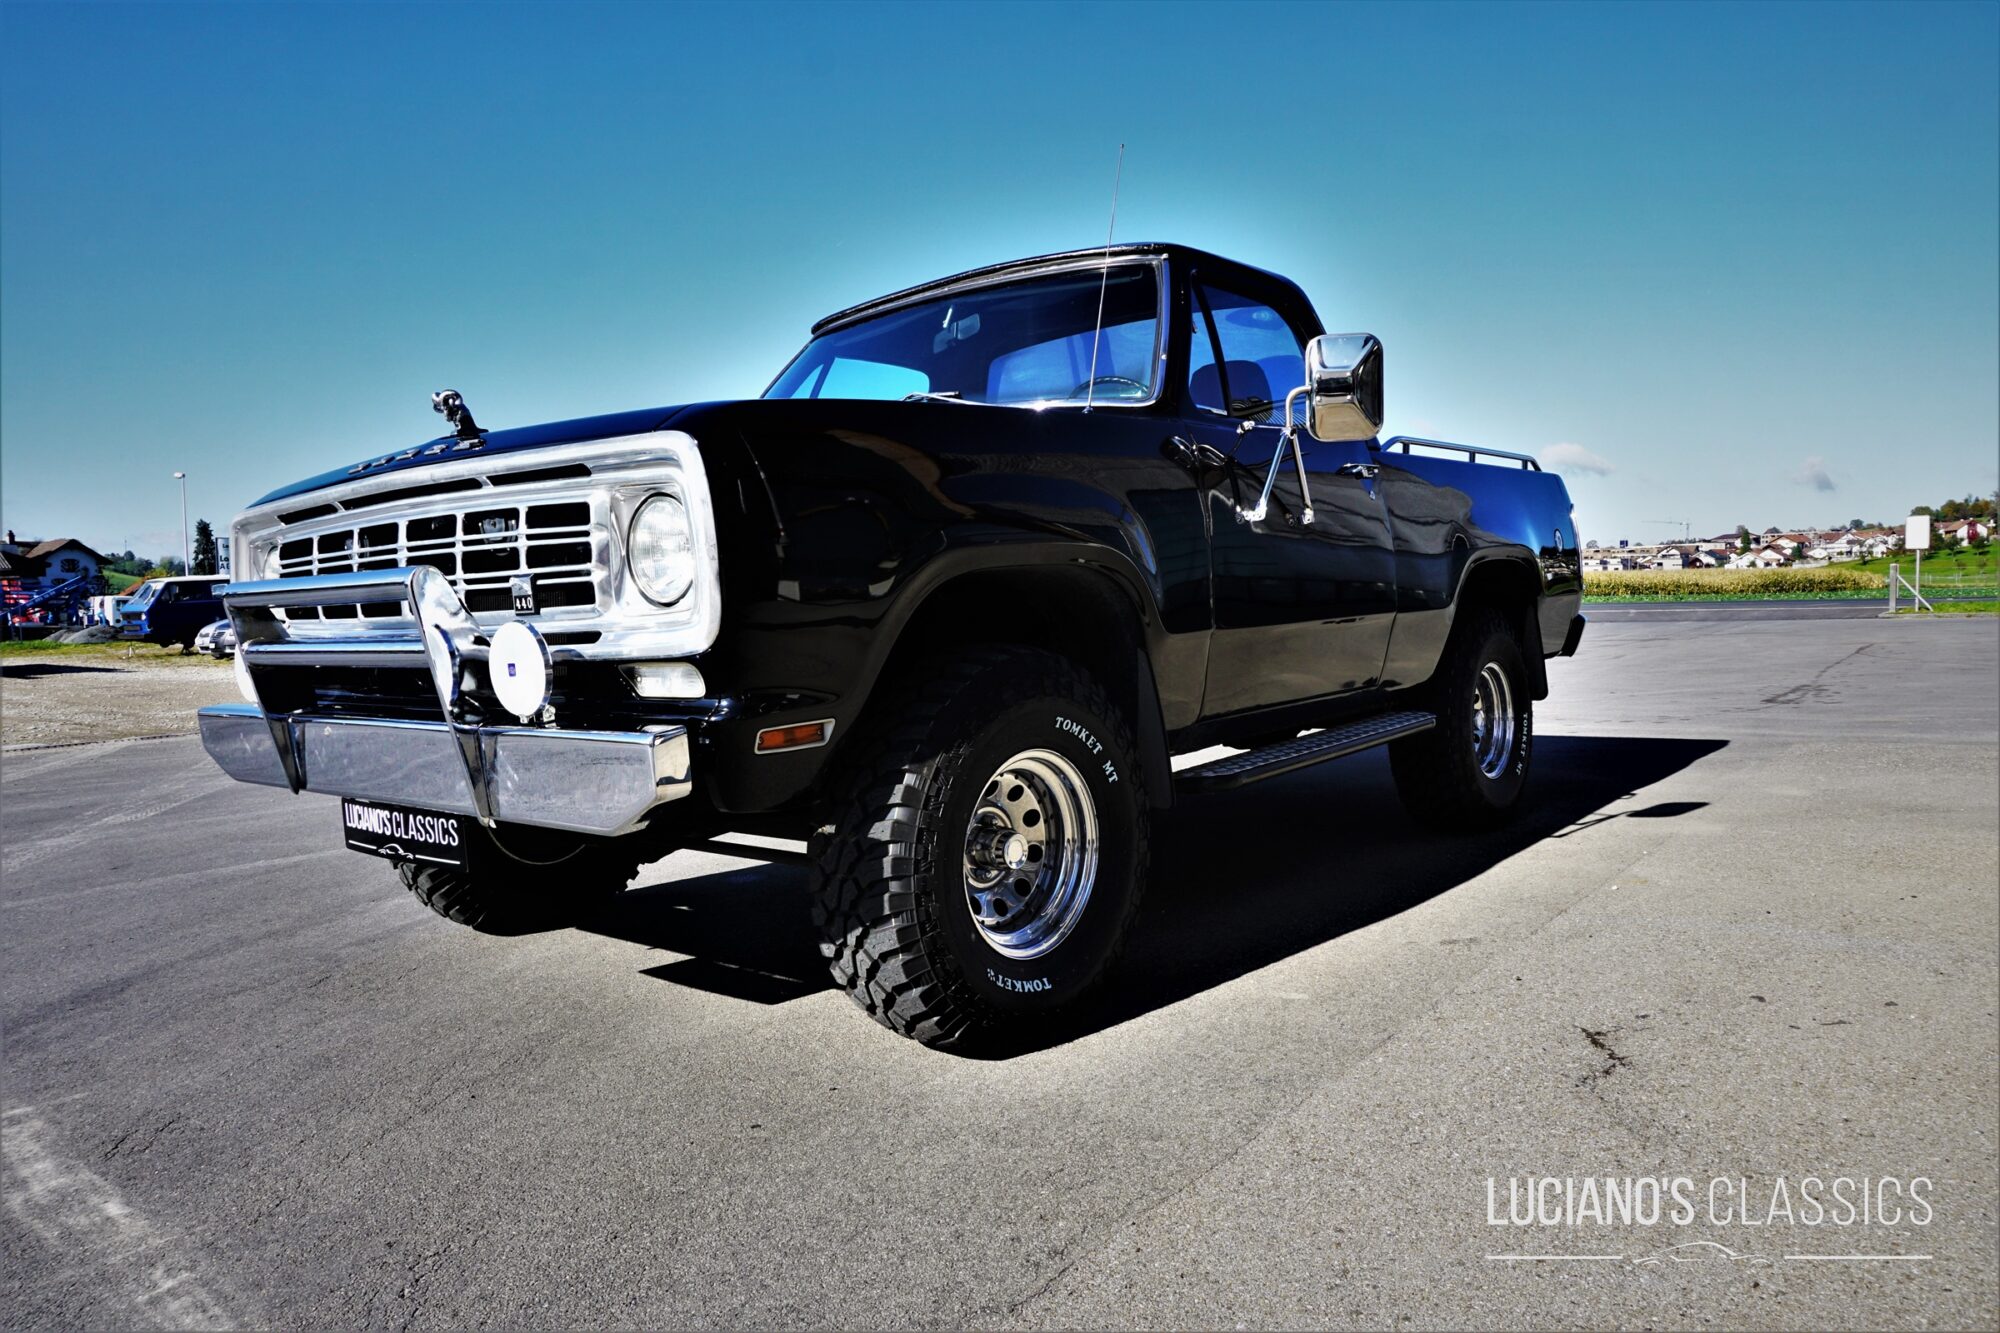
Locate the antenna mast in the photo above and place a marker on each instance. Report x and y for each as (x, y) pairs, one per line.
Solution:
(1097, 334)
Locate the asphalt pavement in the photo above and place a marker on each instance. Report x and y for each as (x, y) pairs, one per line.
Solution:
(1746, 931)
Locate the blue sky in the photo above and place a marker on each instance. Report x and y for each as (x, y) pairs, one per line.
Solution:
(1744, 259)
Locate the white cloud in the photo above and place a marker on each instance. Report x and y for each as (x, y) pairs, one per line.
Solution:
(1813, 473)
(1574, 458)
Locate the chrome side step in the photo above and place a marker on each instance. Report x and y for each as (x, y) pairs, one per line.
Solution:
(1239, 770)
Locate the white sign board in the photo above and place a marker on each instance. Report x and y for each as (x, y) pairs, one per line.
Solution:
(1917, 533)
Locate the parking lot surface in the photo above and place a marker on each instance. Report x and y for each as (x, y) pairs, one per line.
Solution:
(1747, 929)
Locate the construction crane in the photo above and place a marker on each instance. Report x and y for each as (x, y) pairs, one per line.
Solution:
(1685, 525)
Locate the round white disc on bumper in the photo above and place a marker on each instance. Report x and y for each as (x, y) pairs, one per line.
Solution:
(519, 664)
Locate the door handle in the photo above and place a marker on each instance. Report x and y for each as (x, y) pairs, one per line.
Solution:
(1196, 457)
(1364, 470)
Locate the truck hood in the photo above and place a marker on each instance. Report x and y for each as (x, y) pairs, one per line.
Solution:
(492, 443)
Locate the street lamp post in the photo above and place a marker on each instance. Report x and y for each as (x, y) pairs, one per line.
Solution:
(187, 547)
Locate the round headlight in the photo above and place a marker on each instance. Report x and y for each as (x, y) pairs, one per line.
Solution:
(660, 549)
(271, 569)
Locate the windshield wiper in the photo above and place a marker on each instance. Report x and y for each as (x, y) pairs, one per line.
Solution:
(943, 396)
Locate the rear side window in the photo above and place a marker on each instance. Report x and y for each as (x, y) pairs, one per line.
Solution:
(1263, 357)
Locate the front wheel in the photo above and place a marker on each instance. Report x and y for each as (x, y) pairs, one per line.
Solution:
(983, 867)
(518, 879)
(1468, 771)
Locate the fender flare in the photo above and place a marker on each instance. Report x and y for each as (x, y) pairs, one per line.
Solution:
(1525, 570)
(1026, 553)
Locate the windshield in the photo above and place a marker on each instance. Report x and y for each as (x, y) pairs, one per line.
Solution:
(1020, 342)
(142, 596)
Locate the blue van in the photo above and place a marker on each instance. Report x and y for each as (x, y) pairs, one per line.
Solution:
(165, 611)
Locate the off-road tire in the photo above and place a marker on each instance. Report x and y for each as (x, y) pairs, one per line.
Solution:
(525, 880)
(1437, 772)
(888, 869)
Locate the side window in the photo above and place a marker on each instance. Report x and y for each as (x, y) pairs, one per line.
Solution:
(1263, 357)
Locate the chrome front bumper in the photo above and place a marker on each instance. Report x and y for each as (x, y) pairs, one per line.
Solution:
(599, 782)
(585, 781)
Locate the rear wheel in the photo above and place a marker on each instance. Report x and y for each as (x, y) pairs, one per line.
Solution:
(982, 870)
(1468, 771)
(519, 879)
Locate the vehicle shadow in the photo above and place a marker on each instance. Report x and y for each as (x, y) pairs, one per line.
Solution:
(1271, 870)
(36, 670)
(747, 933)
(1240, 880)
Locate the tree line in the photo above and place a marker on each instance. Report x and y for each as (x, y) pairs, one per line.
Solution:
(206, 556)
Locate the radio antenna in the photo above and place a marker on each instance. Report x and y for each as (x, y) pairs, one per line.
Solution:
(1097, 334)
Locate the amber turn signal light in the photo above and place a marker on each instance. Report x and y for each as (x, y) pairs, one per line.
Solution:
(802, 736)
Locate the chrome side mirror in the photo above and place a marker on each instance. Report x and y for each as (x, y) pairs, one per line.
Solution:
(1344, 386)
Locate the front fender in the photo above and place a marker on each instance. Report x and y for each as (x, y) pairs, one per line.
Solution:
(848, 520)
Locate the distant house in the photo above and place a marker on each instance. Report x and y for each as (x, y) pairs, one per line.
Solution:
(1764, 557)
(1670, 557)
(28, 569)
(39, 566)
(1847, 546)
(1967, 529)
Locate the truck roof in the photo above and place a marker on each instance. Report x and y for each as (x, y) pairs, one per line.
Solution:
(1000, 272)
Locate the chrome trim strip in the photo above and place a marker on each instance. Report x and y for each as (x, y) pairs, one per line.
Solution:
(387, 653)
(596, 782)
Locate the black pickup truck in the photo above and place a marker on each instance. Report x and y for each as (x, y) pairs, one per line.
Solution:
(946, 601)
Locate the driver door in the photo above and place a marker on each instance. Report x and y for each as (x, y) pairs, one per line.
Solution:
(1300, 611)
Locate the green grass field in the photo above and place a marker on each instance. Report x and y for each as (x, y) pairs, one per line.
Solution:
(43, 648)
(1954, 609)
(1944, 571)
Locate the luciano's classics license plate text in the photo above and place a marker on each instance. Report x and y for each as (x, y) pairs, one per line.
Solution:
(388, 830)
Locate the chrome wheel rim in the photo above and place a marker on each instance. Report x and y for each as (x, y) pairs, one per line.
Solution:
(1031, 851)
(1492, 720)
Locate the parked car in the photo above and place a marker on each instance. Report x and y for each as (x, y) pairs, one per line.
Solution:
(945, 601)
(107, 609)
(171, 610)
(217, 640)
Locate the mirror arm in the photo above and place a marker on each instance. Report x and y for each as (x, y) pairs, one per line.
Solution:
(1290, 441)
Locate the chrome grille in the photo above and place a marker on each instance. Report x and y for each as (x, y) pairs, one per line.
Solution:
(481, 548)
